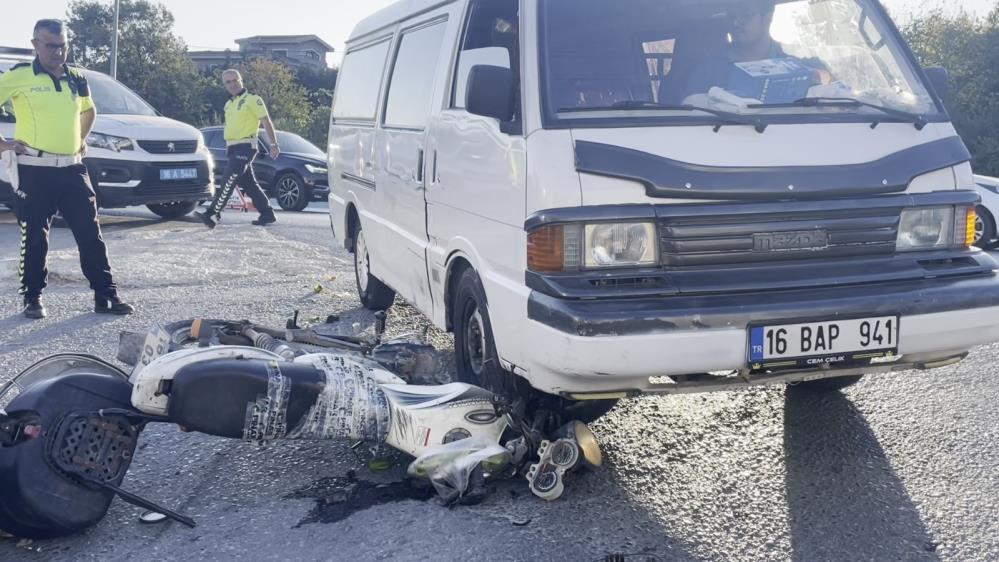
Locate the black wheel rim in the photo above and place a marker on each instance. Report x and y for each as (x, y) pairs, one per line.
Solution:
(289, 192)
(475, 339)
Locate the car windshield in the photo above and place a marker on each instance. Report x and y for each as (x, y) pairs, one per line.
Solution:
(112, 98)
(662, 59)
(290, 142)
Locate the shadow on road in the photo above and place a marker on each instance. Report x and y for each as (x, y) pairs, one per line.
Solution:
(845, 500)
(50, 330)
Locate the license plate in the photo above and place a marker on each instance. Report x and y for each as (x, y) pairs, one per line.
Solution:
(173, 174)
(818, 343)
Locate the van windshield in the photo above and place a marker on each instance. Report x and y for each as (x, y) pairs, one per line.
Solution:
(664, 59)
(112, 98)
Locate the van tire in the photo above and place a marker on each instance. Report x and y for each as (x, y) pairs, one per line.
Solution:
(173, 210)
(827, 386)
(985, 228)
(477, 362)
(374, 294)
(474, 347)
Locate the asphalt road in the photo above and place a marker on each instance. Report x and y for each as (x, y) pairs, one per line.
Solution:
(901, 467)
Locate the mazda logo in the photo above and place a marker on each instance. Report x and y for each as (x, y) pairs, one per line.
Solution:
(171, 147)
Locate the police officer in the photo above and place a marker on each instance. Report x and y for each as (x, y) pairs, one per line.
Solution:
(54, 116)
(244, 114)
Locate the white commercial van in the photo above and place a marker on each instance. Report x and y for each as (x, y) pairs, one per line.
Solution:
(135, 156)
(607, 198)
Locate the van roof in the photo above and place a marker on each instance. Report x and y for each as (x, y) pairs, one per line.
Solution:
(391, 15)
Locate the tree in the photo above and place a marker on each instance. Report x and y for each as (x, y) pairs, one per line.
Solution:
(151, 59)
(968, 48)
(287, 101)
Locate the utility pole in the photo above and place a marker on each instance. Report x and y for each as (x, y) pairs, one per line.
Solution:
(114, 43)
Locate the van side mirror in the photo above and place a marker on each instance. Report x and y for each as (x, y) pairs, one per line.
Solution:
(940, 80)
(490, 92)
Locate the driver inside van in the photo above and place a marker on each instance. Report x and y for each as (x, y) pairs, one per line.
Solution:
(750, 41)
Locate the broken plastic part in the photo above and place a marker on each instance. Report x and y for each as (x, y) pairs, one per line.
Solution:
(449, 467)
(576, 446)
(152, 517)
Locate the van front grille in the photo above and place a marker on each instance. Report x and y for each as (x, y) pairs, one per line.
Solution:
(705, 240)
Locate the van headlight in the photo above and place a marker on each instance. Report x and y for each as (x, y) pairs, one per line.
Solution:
(620, 245)
(109, 142)
(572, 247)
(936, 228)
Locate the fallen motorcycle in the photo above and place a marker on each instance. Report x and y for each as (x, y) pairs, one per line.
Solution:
(69, 425)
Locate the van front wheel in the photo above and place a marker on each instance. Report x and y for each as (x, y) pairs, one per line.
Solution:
(474, 349)
(374, 294)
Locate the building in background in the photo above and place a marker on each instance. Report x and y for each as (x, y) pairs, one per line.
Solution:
(296, 51)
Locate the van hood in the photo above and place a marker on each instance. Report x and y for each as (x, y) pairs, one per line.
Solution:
(784, 162)
(145, 127)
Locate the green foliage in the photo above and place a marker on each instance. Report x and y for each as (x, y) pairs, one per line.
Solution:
(151, 60)
(968, 48)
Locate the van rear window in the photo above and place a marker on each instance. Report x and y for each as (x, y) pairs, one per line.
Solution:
(413, 74)
(359, 83)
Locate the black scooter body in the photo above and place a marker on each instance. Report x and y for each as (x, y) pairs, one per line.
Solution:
(47, 484)
(220, 397)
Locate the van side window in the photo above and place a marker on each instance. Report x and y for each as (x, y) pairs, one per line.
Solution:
(412, 83)
(359, 83)
(492, 37)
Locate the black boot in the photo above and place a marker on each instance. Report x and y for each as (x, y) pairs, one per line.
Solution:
(111, 304)
(266, 218)
(34, 309)
(206, 217)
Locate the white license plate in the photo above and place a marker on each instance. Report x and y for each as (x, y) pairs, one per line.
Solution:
(817, 343)
(173, 174)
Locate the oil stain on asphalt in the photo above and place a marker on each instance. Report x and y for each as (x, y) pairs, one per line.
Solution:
(338, 497)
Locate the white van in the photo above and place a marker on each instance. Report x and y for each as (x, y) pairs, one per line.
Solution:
(134, 156)
(597, 197)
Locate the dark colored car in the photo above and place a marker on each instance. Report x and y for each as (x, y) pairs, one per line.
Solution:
(295, 179)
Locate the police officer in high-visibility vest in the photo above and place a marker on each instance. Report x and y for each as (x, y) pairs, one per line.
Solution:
(54, 116)
(244, 114)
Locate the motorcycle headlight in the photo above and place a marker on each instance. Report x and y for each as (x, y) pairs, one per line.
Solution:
(936, 228)
(109, 142)
(313, 169)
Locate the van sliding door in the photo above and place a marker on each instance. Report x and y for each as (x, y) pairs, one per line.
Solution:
(398, 256)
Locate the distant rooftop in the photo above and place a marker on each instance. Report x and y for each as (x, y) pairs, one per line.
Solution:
(280, 38)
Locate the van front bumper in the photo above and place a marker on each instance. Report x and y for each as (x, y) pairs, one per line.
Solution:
(652, 344)
(124, 183)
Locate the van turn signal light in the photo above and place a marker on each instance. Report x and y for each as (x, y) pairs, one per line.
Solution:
(546, 249)
(969, 238)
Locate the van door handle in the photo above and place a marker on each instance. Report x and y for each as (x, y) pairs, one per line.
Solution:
(419, 166)
(434, 178)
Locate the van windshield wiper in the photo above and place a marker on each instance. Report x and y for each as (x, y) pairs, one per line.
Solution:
(918, 120)
(729, 117)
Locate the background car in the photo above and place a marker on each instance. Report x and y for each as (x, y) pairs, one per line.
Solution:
(134, 155)
(295, 179)
(985, 227)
